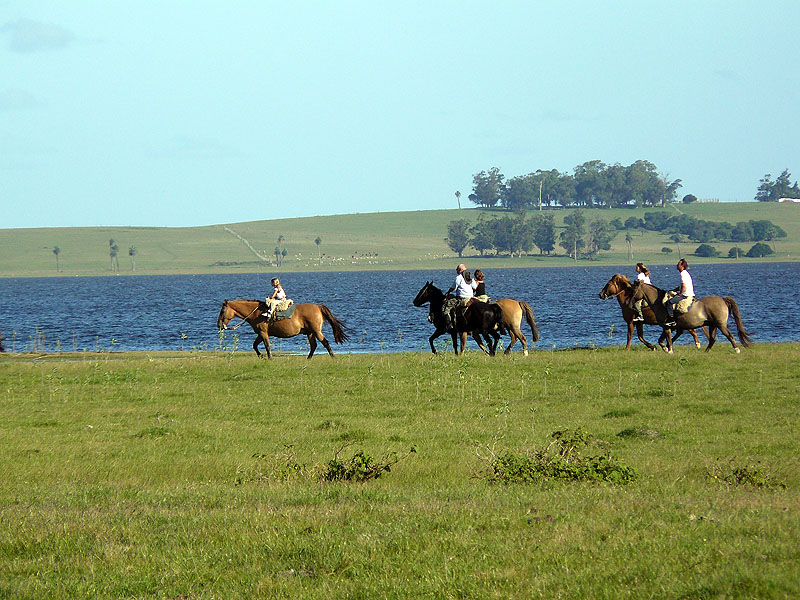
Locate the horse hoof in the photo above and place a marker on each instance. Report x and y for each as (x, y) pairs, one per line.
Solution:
(697, 345)
(524, 353)
(737, 350)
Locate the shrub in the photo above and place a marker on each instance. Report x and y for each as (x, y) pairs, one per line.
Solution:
(749, 475)
(666, 250)
(706, 250)
(689, 198)
(760, 249)
(735, 252)
(561, 459)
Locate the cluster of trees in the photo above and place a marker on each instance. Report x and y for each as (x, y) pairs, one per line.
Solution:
(772, 191)
(113, 252)
(704, 231)
(280, 253)
(757, 250)
(592, 184)
(520, 234)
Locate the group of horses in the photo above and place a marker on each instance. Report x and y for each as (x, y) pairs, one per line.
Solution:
(486, 322)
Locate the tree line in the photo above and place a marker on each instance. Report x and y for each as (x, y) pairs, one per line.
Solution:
(521, 233)
(595, 184)
(592, 184)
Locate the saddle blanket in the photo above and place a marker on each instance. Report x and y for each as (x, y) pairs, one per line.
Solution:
(278, 315)
(681, 307)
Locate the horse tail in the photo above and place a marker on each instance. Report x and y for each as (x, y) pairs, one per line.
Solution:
(744, 337)
(339, 329)
(528, 312)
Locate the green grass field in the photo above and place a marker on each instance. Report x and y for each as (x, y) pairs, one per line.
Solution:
(197, 475)
(397, 240)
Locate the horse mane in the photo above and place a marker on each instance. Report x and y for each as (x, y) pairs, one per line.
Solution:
(622, 279)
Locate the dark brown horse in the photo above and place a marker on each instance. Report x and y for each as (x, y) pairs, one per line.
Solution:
(479, 318)
(712, 311)
(307, 319)
(620, 287)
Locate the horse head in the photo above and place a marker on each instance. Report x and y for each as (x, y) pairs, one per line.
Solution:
(423, 295)
(225, 316)
(615, 286)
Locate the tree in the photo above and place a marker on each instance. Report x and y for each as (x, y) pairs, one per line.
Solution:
(132, 254)
(481, 234)
(572, 236)
(544, 233)
(457, 235)
(318, 242)
(57, 251)
(689, 198)
(113, 251)
(599, 236)
(520, 192)
(283, 255)
(772, 191)
(277, 253)
(629, 242)
(458, 198)
(758, 250)
(735, 252)
(677, 239)
(706, 250)
(487, 187)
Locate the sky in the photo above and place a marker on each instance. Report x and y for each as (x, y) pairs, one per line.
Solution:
(187, 113)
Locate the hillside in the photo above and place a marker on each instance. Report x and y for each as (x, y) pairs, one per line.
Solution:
(372, 241)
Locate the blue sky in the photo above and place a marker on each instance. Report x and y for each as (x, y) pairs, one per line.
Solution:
(196, 113)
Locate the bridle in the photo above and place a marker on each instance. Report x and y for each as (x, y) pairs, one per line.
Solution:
(244, 320)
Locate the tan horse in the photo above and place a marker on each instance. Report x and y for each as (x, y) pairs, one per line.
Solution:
(712, 311)
(307, 319)
(620, 287)
(513, 311)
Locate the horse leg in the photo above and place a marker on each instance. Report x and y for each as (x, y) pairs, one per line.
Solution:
(694, 335)
(436, 334)
(265, 339)
(678, 333)
(496, 337)
(727, 333)
(256, 342)
(712, 336)
(312, 343)
(324, 341)
(630, 335)
(640, 335)
(477, 338)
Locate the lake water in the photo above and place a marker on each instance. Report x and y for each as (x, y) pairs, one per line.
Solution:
(180, 311)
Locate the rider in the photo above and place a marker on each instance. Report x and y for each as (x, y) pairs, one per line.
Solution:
(684, 291)
(480, 287)
(277, 296)
(463, 289)
(643, 277)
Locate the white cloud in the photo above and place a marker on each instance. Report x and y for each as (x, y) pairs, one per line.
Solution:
(26, 36)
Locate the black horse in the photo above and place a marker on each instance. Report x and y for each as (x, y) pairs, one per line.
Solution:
(479, 318)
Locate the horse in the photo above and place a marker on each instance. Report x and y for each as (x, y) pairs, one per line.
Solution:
(712, 311)
(306, 319)
(513, 311)
(478, 318)
(620, 287)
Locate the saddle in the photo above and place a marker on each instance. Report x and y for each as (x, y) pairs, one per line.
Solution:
(681, 307)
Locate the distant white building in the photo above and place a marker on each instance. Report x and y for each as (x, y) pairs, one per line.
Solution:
(795, 200)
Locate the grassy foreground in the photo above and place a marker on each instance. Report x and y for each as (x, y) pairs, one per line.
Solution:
(395, 240)
(149, 475)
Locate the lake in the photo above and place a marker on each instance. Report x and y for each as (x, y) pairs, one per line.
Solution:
(175, 312)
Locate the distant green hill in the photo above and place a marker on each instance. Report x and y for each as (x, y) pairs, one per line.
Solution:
(373, 241)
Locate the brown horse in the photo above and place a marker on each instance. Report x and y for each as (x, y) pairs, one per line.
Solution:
(306, 319)
(620, 287)
(712, 311)
(513, 311)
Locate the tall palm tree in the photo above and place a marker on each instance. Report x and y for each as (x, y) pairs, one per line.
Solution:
(132, 253)
(458, 197)
(629, 241)
(318, 241)
(57, 251)
(277, 253)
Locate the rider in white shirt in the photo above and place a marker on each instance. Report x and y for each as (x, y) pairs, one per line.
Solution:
(686, 290)
(644, 277)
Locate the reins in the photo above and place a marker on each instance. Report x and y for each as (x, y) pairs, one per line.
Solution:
(244, 319)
